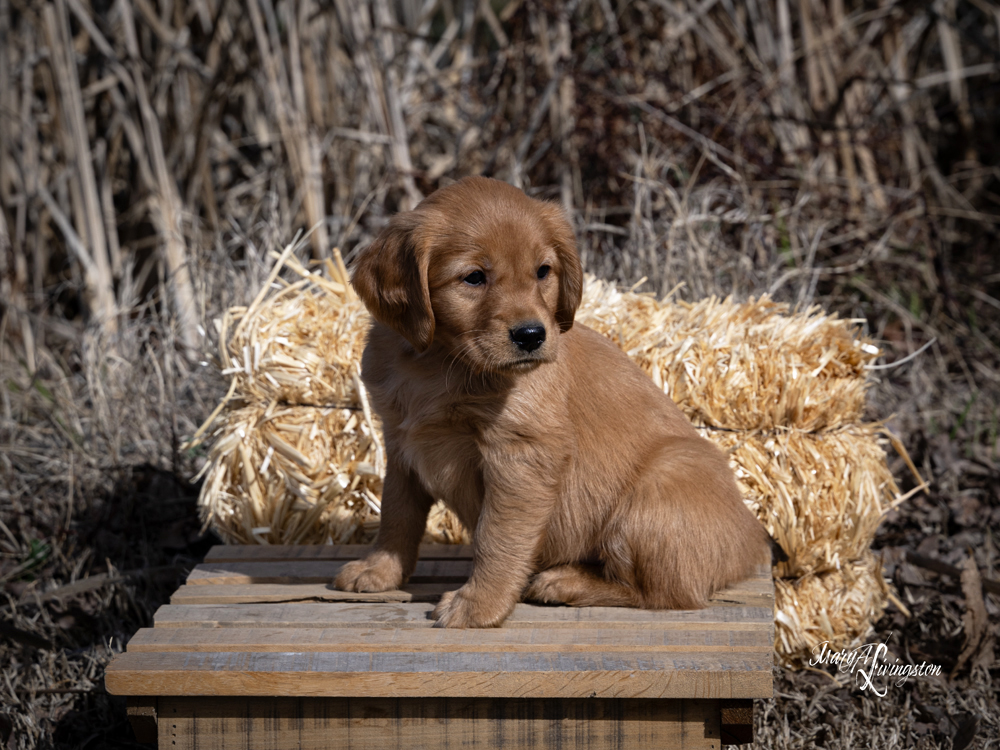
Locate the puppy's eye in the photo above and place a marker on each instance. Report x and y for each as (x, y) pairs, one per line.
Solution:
(476, 278)
(543, 271)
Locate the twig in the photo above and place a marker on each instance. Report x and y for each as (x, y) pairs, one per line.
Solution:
(394, 105)
(707, 143)
(904, 360)
(101, 43)
(72, 238)
(100, 580)
(535, 122)
(939, 566)
(486, 11)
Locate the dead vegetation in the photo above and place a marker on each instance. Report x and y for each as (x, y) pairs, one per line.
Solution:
(152, 154)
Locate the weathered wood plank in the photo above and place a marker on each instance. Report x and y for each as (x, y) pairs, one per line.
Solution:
(427, 571)
(749, 594)
(249, 553)
(417, 615)
(443, 674)
(599, 640)
(252, 593)
(265, 621)
(323, 572)
(437, 724)
(317, 552)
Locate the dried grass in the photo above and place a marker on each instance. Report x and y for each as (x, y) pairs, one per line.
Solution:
(297, 455)
(291, 475)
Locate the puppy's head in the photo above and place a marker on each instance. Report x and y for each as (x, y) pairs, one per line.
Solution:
(479, 268)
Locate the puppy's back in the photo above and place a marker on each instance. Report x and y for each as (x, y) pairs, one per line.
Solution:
(677, 527)
(611, 395)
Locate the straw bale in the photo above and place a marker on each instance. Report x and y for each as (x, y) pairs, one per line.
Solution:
(839, 607)
(821, 496)
(291, 475)
(301, 346)
(740, 366)
(301, 475)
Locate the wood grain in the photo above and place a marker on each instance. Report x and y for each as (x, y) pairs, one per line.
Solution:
(256, 593)
(141, 712)
(437, 724)
(417, 615)
(316, 552)
(749, 593)
(594, 640)
(736, 721)
(258, 650)
(323, 572)
(447, 674)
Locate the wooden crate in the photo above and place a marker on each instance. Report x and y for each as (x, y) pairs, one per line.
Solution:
(257, 650)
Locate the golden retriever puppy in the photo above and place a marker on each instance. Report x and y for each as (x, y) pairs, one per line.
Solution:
(581, 482)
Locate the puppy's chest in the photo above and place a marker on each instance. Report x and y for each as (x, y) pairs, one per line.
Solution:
(439, 441)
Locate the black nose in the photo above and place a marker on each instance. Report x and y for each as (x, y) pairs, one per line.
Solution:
(529, 337)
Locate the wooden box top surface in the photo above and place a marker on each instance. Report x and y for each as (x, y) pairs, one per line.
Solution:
(266, 621)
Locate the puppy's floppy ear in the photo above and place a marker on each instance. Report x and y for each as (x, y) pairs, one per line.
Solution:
(390, 277)
(563, 240)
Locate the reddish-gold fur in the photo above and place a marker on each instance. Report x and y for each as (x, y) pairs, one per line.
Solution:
(582, 482)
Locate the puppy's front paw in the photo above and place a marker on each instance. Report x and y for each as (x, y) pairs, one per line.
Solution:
(373, 574)
(461, 609)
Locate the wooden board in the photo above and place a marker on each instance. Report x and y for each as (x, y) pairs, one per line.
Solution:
(319, 572)
(313, 552)
(418, 615)
(259, 593)
(473, 674)
(609, 640)
(265, 622)
(437, 724)
(412, 592)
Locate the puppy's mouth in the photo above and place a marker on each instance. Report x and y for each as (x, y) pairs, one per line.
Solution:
(524, 363)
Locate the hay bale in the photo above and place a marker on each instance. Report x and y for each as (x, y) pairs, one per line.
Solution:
(297, 456)
(300, 345)
(301, 475)
(740, 366)
(292, 475)
(838, 607)
(821, 496)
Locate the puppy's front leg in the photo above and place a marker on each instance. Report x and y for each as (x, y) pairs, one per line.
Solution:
(515, 513)
(405, 505)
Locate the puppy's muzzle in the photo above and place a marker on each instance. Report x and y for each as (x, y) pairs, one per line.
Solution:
(529, 337)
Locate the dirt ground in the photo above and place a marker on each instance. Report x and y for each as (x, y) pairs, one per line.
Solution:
(863, 176)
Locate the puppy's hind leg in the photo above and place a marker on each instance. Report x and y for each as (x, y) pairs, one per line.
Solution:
(580, 586)
(684, 532)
